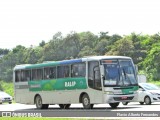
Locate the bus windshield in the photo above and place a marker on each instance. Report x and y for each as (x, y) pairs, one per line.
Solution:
(119, 73)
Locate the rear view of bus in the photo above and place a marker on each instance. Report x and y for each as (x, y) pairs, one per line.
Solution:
(119, 80)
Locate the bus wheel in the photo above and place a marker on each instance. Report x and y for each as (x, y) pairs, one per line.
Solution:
(114, 105)
(141, 103)
(125, 103)
(86, 102)
(39, 104)
(64, 106)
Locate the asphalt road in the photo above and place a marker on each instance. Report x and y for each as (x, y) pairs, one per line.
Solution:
(76, 110)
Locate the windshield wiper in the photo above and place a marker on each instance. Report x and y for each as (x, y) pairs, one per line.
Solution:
(126, 76)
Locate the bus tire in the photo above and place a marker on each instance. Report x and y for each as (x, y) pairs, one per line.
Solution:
(38, 102)
(141, 103)
(125, 103)
(64, 106)
(86, 102)
(114, 105)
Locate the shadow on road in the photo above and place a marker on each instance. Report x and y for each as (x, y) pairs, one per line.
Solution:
(79, 109)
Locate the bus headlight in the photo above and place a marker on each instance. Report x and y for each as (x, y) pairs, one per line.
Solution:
(109, 92)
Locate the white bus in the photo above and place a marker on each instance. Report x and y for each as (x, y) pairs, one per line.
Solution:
(89, 80)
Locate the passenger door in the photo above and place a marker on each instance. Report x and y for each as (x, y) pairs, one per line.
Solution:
(94, 81)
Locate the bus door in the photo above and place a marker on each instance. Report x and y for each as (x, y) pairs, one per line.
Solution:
(94, 80)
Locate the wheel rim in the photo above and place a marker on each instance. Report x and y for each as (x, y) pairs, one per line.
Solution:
(86, 101)
(147, 100)
(38, 102)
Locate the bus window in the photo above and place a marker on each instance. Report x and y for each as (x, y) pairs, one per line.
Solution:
(52, 72)
(78, 70)
(63, 71)
(22, 75)
(17, 76)
(66, 71)
(39, 74)
(46, 73)
(27, 75)
(34, 74)
(60, 72)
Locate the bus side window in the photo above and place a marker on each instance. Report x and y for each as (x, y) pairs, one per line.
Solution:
(39, 74)
(46, 73)
(34, 74)
(52, 72)
(66, 71)
(60, 72)
(18, 76)
(27, 75)
(22, 75)
(78, 70)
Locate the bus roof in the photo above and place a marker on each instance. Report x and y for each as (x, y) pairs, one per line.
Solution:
(63, 62)
(105, 57)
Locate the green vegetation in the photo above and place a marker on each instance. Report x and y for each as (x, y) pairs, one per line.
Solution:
(144, 49)
(7, 87)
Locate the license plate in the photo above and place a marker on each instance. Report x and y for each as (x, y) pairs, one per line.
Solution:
(124, 97)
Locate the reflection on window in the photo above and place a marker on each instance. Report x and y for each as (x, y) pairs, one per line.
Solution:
(34, 73)
(23, 75)
(127, 71)
(37, 74)
(27, 75)
(50, 73)
(18, 76)
(112, 74)
(63, 72)
(91, 74)
(79, 70)
(119, 72)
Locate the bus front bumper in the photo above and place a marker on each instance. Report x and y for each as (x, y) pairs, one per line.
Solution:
(117, 98)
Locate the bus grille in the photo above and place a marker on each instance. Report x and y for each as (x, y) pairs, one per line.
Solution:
(122, 98)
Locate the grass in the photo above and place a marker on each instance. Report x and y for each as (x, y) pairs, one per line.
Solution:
(155, 82)
(7, 87)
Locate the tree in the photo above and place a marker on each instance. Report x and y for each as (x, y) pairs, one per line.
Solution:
(151, 63)
(122, 47)
(42, 43)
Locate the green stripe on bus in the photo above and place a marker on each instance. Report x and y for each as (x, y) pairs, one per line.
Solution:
(42, 65)
(130, 90)
(58, 84)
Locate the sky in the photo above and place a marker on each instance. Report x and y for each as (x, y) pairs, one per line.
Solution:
(28, 22)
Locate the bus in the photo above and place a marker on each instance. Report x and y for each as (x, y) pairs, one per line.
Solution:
(87, 81)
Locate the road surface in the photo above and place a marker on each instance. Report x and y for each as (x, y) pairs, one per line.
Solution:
(76, 110)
